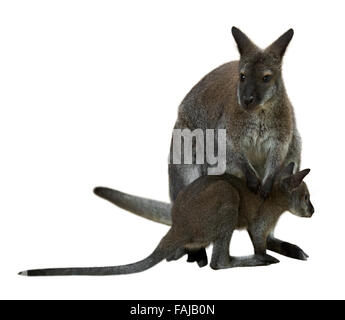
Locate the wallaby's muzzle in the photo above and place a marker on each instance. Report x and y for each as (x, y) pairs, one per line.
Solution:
(311, 210)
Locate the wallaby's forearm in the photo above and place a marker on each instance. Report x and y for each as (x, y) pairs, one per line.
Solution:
(274, 162)
(246, 168)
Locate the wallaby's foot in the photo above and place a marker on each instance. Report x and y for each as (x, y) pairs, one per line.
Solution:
(286, 249)
(223, 262)
(253, 183)
(203, 262)
(265, 259)
(200, 257)
(256, 260)
(191, 258)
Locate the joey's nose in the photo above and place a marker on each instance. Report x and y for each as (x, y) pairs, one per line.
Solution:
(311, 210)
(248, 100)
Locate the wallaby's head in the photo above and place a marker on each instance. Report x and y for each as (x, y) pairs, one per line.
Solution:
(260, 77)
(296, 192)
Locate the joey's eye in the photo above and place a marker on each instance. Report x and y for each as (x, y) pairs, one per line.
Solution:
(242, 77)
(306, 197)
(267, 78)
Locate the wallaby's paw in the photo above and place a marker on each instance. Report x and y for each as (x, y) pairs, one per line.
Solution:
(266, 259)
(253, 183)
(264, 194)
(266, 188)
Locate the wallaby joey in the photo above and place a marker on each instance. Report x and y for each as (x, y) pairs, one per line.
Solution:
(208, 211)
(249, 100)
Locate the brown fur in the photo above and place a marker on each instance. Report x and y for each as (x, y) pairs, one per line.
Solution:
(261, 136)
(208, 211)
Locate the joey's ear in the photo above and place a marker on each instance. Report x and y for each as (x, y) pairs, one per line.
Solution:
(244, 44)
(278, 47)
(295, 180)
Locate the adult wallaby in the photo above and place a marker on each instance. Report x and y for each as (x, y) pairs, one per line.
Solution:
(248, 99)
(208, 211)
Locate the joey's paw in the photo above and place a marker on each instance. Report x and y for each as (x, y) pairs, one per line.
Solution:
(266, 259)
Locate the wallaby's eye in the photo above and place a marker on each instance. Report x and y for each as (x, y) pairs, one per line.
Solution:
(242, 77)
(306, 197)
(267, 78)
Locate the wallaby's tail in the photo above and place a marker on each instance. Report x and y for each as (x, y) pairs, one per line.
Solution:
(146, 208)
(143, 265)
(157, 256)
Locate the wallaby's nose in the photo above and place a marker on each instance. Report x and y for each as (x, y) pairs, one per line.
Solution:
(311, 210)
(248, 100)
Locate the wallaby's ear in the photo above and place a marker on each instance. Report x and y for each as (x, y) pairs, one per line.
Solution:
(244, 44)
(295, 180)
(278, 47)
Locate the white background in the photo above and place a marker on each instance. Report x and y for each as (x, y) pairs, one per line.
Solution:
(89, 92)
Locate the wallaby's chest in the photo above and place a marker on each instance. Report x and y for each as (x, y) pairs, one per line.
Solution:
(254, 134)
(256, 139)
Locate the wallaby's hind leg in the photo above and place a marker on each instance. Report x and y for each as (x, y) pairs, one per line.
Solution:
(220, 255)
(180, 176)
(221, 258)
(221, 247)
(258, 235)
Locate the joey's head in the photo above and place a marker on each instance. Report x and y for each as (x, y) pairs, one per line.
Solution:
(296, 192)
(260, 77)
